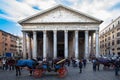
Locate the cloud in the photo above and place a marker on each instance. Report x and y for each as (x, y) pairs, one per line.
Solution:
(98, 9)
(64, 2)
(101, 9)
(42, 4)
(116, 6)
(17, 10)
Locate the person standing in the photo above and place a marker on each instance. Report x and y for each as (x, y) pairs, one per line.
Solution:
(97, 64)
(18, 72)
(4, 64)
(0, 63)
(80, 65)
(94, 64)
(11, 62)
(68, 62)
(117, 67)
(84, 62)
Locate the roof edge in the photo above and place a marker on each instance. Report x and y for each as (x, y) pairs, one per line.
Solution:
(59, 5)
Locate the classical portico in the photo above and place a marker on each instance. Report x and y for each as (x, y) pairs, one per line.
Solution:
(60, 32)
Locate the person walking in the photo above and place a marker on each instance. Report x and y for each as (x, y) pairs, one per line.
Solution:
(117, 65)
(80, 65)
(94, 64)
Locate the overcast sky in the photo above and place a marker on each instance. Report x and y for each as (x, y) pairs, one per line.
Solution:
(12, 11)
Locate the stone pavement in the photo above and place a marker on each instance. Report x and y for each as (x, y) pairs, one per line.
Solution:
(73, 74)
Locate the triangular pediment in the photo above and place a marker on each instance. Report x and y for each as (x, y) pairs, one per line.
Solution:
(60, 14)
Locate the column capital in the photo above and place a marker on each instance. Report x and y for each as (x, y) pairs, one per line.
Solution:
(34, 32)
(44, 31)
(65, 31)
(76, 31)
(86, 31)
(55, 31)
(97, 31)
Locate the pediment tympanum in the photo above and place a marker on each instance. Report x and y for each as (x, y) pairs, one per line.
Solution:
(60, 14)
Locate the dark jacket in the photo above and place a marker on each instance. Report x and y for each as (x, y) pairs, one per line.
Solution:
(80, 64)
(117, 64)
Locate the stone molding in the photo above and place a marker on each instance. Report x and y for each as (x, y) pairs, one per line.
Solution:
(49, 27)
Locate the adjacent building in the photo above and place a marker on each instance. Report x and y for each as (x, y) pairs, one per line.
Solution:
(60, 32)
(110, 39)
(8, 44)
(19, 46)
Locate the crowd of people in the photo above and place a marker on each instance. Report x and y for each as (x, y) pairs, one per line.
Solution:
(9, 63)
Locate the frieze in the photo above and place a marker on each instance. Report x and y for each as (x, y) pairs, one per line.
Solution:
(61, 27)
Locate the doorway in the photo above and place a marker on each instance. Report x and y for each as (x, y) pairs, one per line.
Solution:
(60, 50)
(60, 44)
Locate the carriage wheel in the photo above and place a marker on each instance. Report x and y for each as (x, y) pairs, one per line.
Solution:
(62, 72)
(37, 73)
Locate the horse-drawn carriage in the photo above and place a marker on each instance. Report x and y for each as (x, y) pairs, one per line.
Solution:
(58, 66)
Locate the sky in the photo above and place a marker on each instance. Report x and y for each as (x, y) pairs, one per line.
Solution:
(11, 11)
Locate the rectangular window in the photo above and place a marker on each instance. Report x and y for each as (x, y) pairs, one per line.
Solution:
(109, 44)
(118, 41)
(113, 49)
(118, 29)
(112, 42)
(113, 25)
(113, 36)
(118, 48)
(6, 44)
(118, 34)
(108, 38)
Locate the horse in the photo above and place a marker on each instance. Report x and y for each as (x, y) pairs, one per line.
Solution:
(30, 64)
(107, 63)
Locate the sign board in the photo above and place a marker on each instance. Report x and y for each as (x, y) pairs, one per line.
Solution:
(8, 54)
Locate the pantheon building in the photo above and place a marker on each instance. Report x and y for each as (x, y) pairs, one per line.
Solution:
(60, 31)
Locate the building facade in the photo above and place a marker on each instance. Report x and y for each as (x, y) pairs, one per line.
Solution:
(60, 32)
(8, 43)
(19, 46)
(110, 39)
